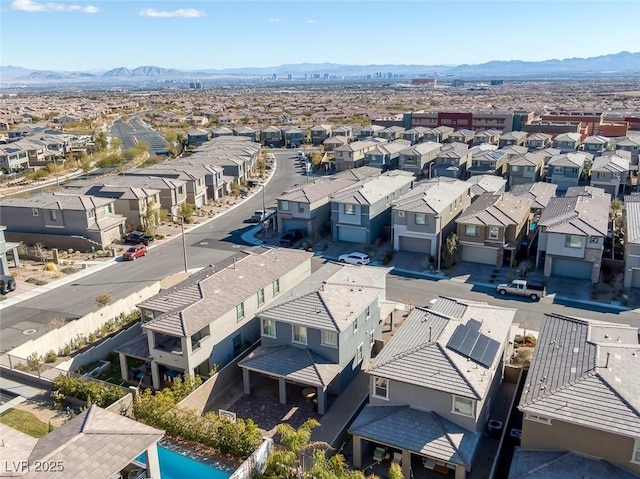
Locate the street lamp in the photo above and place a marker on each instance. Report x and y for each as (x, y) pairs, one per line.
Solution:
(184, 242)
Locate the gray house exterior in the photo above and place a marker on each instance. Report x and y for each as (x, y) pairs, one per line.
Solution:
(198, 136)
(416, 159)
(566, 169)
(247, 132)
(438, 135)
(538, 141)
(320, 334)
(632, 241)
(596, 145)
(271, 136)
(611, 173)
(386, 156)
(422, 376)
(294, 137)
(452, 161)
(362, 211)
(512, 138)
(567, 142)
(487, 136)
(527, 168)
(351, 155)
(319, 133)
(462, 136)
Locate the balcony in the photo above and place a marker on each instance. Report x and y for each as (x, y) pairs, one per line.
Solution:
(169, 344)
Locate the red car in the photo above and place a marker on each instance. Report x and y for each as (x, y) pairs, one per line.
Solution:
(135, 252)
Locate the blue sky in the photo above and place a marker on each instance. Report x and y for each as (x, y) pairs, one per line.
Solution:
(89, 35)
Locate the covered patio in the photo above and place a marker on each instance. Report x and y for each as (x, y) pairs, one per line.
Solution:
(288, 364)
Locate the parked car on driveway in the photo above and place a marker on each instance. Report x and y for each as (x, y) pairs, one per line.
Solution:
(7, 284)
(522, 288)
(354, 258)
(258, 216)
(135, 252)
(291, 237)
(138, 237)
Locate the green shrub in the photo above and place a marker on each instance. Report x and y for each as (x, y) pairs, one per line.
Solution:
(37, 282)
(83, 389)
(69, 270)
(50, 357)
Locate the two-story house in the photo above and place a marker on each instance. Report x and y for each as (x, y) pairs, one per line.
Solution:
(342, 130)
(247, 132)
(452, 161)
(462, 136)
(294, 137)
(321, 333)
(367, 132)
(192, 175)
(538, 141)
(13, 158)
(319, 133)
(423, 217)
(221, 131)
(5, 247)
(565, 170)
(386, 156)
(440, 134)
(567, 142)
(414, 135)
(417, 158)
(487, 161)
(492, 228)
(486, 184)
(271, 136)
(572, 234)
(627, 143)
(333, 142)
(208, 319)
(391, 133)
(580, 402)
(527, 168)
(487, 136)
(53, 218)
(611, 173)
(596, 145)
(431, 387)
(198, 136)
(512, 138)
(540, 193)
(351, 155)
(632, 241)
(360, 212)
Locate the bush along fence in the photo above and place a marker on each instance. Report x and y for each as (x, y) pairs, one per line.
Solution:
(255, 463)
(91, 392)
(238, 438)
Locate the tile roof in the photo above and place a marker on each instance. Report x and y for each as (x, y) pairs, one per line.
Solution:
(421, 432)
(373, 189)
(121, 192)
(540, 193)
(528, 159)
(614, 164)
(632, 217)
(581, 215)
(454, 150)
(432, 196)
(316, 190)
(529, 464)
(569, 159)
(357, 146)
(486, 184)
(579, 362)
(202, 298)
(418, 353)
(421, 148)
(65, 200)
(496, 210)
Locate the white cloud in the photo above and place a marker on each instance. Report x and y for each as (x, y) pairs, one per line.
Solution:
(182, 12)
(36, 7)
(273, 20)
(310, 21)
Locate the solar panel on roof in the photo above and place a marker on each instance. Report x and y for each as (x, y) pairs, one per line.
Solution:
(469, 342)
(456, 339)
(474, 325)
(480, 347)
(490, 353)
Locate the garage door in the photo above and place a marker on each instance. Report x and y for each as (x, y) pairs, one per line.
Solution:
(479, 254)
(289, 225)
(354, 235)
(571, 268)
(415, 245)
(635, 278)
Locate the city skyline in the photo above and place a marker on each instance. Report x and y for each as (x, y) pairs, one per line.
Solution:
(77, 35)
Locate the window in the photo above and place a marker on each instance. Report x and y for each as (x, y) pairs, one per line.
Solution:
(537, 418)
(401, 214)
(602, 174)
(329, 338)
(636, 452)
(349, 209)
(240, 311)
(53, 215)
(573, 241)
(421, 219)
(359, 355)
(557, 169)
(593, 239)
(514, 168)
(380, 388)
(276, 287)
(471, 230)
(35, 211)
(260, 297)
(269, 328)
(368, 312)
(355, 324)
(91, 213)
(464, 406)
(107, 209)
(300, 207)
(493, 232)
(299, 334)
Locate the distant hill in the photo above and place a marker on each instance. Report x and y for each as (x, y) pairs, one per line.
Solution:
(623, 63)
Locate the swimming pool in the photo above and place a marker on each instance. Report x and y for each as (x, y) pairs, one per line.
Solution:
(177, 466)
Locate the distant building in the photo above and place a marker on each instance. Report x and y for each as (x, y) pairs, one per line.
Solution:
(431, 82)
(497, 82)
(457, 83)
(195, 85)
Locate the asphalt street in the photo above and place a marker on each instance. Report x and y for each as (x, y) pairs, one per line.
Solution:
(135, 130)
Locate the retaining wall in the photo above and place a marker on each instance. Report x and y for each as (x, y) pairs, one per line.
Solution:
(255, 462)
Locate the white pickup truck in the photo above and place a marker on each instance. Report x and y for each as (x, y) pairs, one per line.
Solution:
(522, 288)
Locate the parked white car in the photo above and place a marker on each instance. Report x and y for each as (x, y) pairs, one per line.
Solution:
(355, 258)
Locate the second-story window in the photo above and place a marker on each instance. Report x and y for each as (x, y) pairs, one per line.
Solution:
(380, 388)
(269, 328)
(276, 287)
(300, 207)
(53, 215)
(349, 209)
(240, 311)
(471, 230)
(91, 213)
(421, 219)
(299, 334)
(464, 406)
(493, 232)
(355, 324)
(284, 205)
(573, 241)
(260, 297)
(329, 338)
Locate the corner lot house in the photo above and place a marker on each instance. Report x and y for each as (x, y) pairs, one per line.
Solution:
(208, 318)
(581, 396)
(572, 235)
(362, 211)
(431, 387)
(351, 155)
(424, 217)
(321, 333)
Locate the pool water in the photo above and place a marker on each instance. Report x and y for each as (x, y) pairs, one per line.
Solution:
(177, 466)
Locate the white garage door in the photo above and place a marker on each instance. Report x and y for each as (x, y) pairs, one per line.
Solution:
(353, 235)
(415, 245)
(571, 268)
(479, 254)
(635, 278)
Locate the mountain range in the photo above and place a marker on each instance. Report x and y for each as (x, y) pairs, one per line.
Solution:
(623, 63)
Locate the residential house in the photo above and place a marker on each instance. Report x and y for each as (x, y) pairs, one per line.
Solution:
(512, 138)
(491, 230)
(271, 136)
(197, 136)
(414, 135)
(330, 144)
(319, 133)
(487, 136)
(294, 137)
(246, 132)
(540, 193)
(351, 155)
(430, 391)
(213, 177)
(321, 333)
(343, 130)
(538, 141)
(573, 229)
(96, 443)
(627, 143)
(13, 158)
(208, 319)
(596, 145)
(631, 241)
(369, 131)
(462, 136)
(486, 161)
(580, 397)
(486, 184)
(611, 173)
(37, 151)
(386, 156)
(192, 175)
(565, 170)
(440, 134)
(567, 142)
(391, 133)
(424, 216)
(52, 218)
(4, 248)
(361, 212)
(221, 131)
(452, 161)
(527, 168)
(417, 159)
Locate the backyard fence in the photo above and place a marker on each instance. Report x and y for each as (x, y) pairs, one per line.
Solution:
(256, 462)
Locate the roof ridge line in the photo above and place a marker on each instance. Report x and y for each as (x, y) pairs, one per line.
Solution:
(464, 378)
(333, 319)
(615, 391)
(315, 367)
(446, 435)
